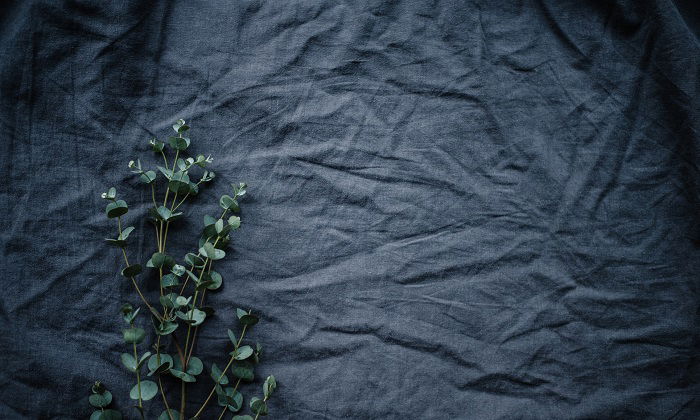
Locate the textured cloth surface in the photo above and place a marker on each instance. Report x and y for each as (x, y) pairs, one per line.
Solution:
(482, 209)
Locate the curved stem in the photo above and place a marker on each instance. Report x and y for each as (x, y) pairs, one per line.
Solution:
(165, 159)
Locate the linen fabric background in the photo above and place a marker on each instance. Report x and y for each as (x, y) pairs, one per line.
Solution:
(457, 209)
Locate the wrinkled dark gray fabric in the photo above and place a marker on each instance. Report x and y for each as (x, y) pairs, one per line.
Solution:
(475, 209)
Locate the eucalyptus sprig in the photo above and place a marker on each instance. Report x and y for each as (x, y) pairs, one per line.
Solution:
(183, 284)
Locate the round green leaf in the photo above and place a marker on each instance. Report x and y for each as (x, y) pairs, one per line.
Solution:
(193, 316)
(179, 143)
(243, 370)
(233, 400)
(134, 335)
(165, 327)
(158, 259)
(179, 183)
(116, 209)
(211, 252)
(178, 270)
(216, 374)
(149, 389)
(185, 377)
(168, 300)
(194, 260)
(215, 280)
(269, 386)
(169, 280)
(258, 406)
(128, 361)
(246, 318)
(195, 366)
(182, 301)
(179, 123)
(242, 353)
(147, 177)
(234, 222)
(245, 417)
(101, 400)
(125, 233)
(166, 362)
(132, 270)
(228, 203)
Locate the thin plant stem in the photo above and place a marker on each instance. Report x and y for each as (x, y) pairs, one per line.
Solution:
(133, 280)
(167, 190)
(160, 284)
(221, 416)
(182, 201)
(179, 350)
(165, 400)
(160, 238)
(153, 194)
(138, 375)
(157, 236)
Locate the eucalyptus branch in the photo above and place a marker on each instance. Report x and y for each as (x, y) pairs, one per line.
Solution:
(223, 372)
(187, 306)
